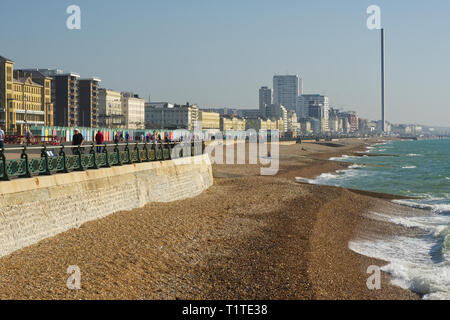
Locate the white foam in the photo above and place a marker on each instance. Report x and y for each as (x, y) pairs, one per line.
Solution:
(410, 264)
(304, 180)
(409, 167)
(437, 208)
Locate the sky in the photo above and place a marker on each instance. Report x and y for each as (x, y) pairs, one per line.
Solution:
(219, 53)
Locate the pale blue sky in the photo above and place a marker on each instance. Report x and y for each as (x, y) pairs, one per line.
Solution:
(218, 53)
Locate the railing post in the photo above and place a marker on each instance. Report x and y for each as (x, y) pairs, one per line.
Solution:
(127, 150)
(45, 156)
(162, 150)
(62, 153)
(105, 151)
(155, 156)
(3, 158)
(136, 148)
(80, 159)
(116, 150)
(147, 158)
(94, 154)
(24, 156)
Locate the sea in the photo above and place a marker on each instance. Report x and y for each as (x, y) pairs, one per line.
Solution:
(419, 170)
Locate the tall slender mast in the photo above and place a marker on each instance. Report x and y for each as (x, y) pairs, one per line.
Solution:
(383, 78)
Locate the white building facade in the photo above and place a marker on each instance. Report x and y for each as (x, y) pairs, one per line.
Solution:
(110, 111)
(169, 116)
(133, 110)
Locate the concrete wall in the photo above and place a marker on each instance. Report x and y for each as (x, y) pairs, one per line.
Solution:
(37, 208)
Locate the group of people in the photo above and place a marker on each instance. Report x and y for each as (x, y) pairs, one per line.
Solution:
(28, 137)
(78, 139)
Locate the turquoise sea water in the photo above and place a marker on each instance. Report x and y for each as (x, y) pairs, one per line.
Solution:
(413, 169)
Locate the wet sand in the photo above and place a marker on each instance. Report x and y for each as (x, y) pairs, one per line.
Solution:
(247, 237)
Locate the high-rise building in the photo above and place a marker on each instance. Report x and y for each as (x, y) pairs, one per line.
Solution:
(286, 89)
(66, 103)
(88, 93)
(265, 98)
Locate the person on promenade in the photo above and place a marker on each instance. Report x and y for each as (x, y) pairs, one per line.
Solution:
(77, 140)
(127, 136)
(116, 138)
(99, 140)
(28, 136)
(2, 138)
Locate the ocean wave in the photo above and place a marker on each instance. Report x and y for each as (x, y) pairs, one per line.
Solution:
(428, 204)
(356, 166)
(410, 264)
(414, 155)
(345, 156)
(409, 167)
(304, 180)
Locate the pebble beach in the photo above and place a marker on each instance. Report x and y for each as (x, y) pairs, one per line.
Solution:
(247, 237)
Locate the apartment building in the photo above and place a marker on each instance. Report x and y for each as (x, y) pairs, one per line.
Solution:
(88, 103)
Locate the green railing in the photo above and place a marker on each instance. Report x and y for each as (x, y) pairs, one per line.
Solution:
(64, 159)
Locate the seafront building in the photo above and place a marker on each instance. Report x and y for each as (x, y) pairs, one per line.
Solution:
(133, 109)
(350, 121)
(65, 96)
(110, 109)
(88, 94)
(209, 120)
(293, 126)
(168, 116)
(286, 89)
(259, 124)
(23, 101)
(276, 112)
(67, 103)
(232, 124)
